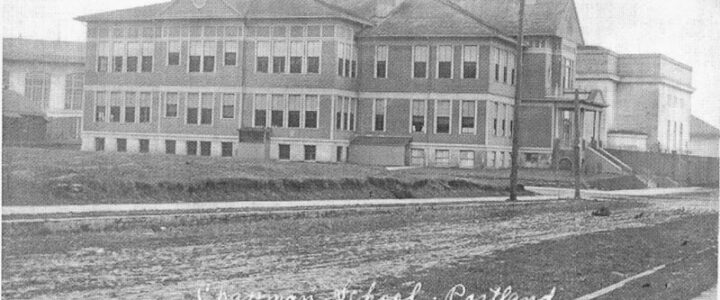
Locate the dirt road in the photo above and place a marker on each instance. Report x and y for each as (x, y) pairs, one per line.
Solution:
(306, 256)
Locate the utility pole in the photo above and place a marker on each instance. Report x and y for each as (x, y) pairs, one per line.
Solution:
(516, 112)
(576, 163)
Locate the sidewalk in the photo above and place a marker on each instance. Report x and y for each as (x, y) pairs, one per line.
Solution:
(199, 206)
(569, 193)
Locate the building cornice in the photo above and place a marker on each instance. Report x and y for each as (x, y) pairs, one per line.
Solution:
(634, 79)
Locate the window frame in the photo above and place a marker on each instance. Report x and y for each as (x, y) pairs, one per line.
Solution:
(385, 105)
(477, 62)
(427, 62)
(226, 43)
(177, 105)
(222, 106)
(475, 119)
(425, 115)
(437, 62)
(450, 118)
(386, 54)
(255, 109)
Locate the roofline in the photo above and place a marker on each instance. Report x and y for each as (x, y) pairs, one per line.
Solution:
(593, 49)
(582, 36)
(467, 13)
(656, 55)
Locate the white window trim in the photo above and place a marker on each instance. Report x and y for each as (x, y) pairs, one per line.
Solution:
(305, 109)
(477, 62)
(385, 101)
(105, 113)
(303, 58)
(124, 107)
(271, 61)
(307, 54)
(285, 111)
(237, 56)
(375, 70)
(427, 63)
(254, 108)
(167, 52)
(425, 116)
(187, 100)
(437, 61)
(165, 98)
(475, 119)
(222, 105)
(139, 106)
(450, 119)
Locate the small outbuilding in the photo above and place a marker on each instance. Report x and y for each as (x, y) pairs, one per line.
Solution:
(21, 123)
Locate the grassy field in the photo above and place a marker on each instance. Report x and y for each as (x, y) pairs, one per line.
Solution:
(34, 176)
(531, 247)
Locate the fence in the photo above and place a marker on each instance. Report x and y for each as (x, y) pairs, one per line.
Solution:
(685, 169)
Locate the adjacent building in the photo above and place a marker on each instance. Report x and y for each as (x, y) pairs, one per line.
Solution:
(50, 76)
(391, 82)
(704, 138)
(648, 97)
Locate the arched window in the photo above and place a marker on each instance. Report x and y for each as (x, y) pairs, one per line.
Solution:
(74, 91)
(37, 89)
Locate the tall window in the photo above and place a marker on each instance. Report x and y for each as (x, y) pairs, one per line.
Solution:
(381, 56)
(341, 58)
(130, 107)
(311, 111)
(279, 53)
(228, 106)
(118, 56)
(37, 89)
(353, 112)
(145, 103)
(74, 91)
(231, 51)
(494, 113)
(148, 51)
(567, 74)
(501, 115)
(174, 53)
(171, 105)
(209, 51)
(297, 52)
(495, 59)
(442, 116)
(467, 123)
(262, 58)
(115, 106)
(420, 59)
(470, 61)
(206, 108)
(504, 61)
(338, 112)
(277, 114)
(192, 102)
(313, 58)
(194, 60)
(509, 117)
(103, 51)
(133, 56)
(348, 57)
(444, 61)
(260, 106)
(512, 63)
(100, 107)
(295, 107)
(379, 111)
(418, 116)
(353, 66)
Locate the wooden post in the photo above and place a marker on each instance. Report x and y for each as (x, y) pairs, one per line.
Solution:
(516, 112)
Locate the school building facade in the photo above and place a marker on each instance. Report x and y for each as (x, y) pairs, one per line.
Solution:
(388, 82)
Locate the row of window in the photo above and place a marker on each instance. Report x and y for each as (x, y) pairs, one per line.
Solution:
(190, 32)
(502, 119)
(674, 137)
(127, 107)
(37, 89)
(192, 148)
(309, 152)
(443, 115)
(288, 111)
(303, 57)
(503, 60)
(496, 159)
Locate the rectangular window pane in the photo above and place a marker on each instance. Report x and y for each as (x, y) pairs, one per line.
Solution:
(206, 109)
(279, 53)
(260, 106)
(379, 115)
(174, 53)
(468, 117)
(170, 147)
(148, 51)
(470, 59)
(277, 115)
(115, 105)
(100, 107)
(297, 52)
(228, 106)
(381, 62)
(209, 51)
(118, 55)
(145, 103)
(444, 58)
(193, 100)
(443, 116)
(311, 106)
(133, 56)
(191, 147)
(171, 105)
(283, 152)
(309, 152)
(418, 116)
(205, 148)
(420, 61)
(231, 49)
(121, 145)
(313, 57)
(103, 52)
(295, 107)
(195, 56)
(144, 146)
(226, 149)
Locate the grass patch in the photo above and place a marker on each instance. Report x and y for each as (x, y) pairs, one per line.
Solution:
(36, 176)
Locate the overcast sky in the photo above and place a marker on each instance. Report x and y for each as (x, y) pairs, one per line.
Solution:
(686, 30)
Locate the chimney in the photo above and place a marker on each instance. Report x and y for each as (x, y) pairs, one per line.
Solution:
(384, 7)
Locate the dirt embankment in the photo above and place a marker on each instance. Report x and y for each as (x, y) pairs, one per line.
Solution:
(98, 190)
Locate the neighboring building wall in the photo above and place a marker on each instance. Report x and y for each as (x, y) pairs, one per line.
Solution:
(704, 146)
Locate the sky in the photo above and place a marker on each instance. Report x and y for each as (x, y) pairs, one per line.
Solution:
(686, 30)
